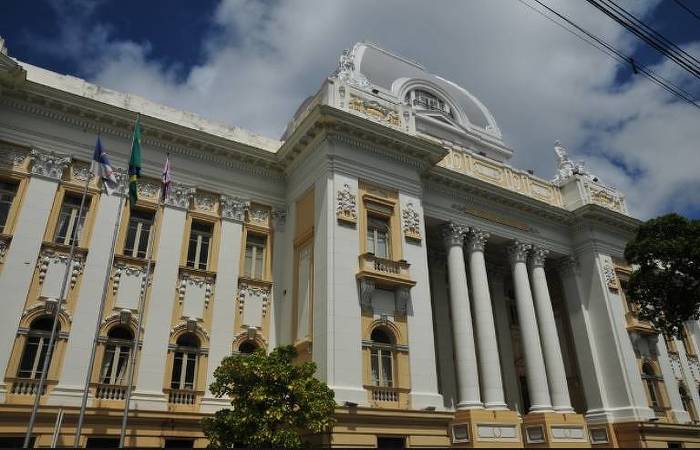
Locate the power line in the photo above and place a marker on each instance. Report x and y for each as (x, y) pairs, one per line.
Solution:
(690, 11)
(648, 35)
(612, 52)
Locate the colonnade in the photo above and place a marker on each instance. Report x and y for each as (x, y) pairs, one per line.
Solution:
(479, 385)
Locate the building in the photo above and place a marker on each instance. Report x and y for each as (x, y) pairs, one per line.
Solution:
(447, 297)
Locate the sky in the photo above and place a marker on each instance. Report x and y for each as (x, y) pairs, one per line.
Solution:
(250, 63)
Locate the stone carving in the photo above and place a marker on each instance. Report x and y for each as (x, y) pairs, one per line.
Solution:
(568, 265)
(11, 156)
(48, 257)
(346, 209)
(259, 216)
(610, 276)
(179, 196)
(567, 432)
(346, 70)
(374, 110)
(453, 234)
(123, 269)
(205, 201)
(49, 164)
(476, 239)
(233, 208)
(245, 290)
(122, 178)
(518, 251)
(538, 256)
(411, 222)
(148, 189)
(676, 365)
(496, 431)
(4, 245)
(606, 196)
(280, 218)
(569, 168)
(193, 326)
(694, 367)
(188, 279)
(81, 171)
(366, 291)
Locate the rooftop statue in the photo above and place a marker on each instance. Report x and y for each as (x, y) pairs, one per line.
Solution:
(346, 70)
(569, 168)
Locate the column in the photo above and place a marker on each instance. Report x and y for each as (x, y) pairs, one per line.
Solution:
(463, 335)
(20, 260)
(529, 332)
(556, 374)
(149, 380)
(222, 333)
(489, 365)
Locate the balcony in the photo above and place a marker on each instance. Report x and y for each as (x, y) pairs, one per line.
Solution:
(110, 392)
(26, 387)
(387, 397)
(182, 396)
(385, 273)
(640, 326)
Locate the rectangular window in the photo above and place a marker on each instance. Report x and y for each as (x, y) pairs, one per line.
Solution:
(68, 222)
(255, 256)
(381, 367)
(198, 248)
(184, 365)
(378, 237)
(7, 196)
(138, 233)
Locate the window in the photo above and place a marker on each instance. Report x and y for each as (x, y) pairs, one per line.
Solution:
(687, 342)
(426, 100)
(138, 233)
(198, 249)
(247, 347)
(652, 383)
(381, 358)
(68, 221)
(687, 401)
(7, 196)
(255, 256)
(185, 362)
(116, 358)
(378, 237)
(36, 348)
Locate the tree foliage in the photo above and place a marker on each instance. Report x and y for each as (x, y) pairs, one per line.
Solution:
(275, 402)
(666, 284)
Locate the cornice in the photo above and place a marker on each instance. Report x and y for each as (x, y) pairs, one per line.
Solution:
(592, 213)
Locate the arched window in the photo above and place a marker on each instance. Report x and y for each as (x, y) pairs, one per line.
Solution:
(382, 358)
(120, 340)
(185, 362)
(36, 347)
(247, 347)
(426, 100)
(651, 379)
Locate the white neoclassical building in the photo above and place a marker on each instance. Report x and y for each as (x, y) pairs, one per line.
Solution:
(448, 298)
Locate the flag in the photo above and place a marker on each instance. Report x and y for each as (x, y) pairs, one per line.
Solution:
(135, 163)
(103, 168)
(167, 178)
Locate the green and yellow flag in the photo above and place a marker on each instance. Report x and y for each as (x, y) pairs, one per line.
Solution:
(135, 163)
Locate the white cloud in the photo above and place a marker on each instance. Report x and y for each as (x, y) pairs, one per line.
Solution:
(540, 82)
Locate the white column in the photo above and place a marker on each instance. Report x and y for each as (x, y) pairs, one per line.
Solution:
(148, 393)
(529, 332)
(79, 346)
(222, 333)
(20, 259)
(489, 365)
(463, 334)
(556, 373)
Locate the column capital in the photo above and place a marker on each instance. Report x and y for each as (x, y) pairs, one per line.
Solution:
(476, 239)
(538, 256)
(568, 265)
(233, 208)
(180, 196)
(48, 164)
(453, 234)
(517, 251)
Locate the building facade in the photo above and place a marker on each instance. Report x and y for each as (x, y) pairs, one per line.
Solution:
(447, 298)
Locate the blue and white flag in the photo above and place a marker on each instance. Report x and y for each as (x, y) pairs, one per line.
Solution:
(103, 168)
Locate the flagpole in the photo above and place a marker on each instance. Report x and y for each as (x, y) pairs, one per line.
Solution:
(98, 323)
(134, 349)
(52, 339)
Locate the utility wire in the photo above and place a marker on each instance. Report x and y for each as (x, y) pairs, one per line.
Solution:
(612, 52)
(648, 35)
(684, 6)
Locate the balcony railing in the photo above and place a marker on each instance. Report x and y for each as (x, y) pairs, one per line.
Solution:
(110, 392)
(385, 271)
(380, 394)
(27, 387)
(182, 396)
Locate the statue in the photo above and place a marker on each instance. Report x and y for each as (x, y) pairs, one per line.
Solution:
(569, 168)
(346, 70)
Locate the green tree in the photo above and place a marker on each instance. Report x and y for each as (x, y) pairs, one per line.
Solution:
(275, 403)
(665, 284)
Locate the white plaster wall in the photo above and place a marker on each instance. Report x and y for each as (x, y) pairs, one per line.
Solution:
(443, 333)
(20, 262)
(194, 301)
(80, 341)
(421, 342)
(151, 362)
(53, 280)
(129, 290)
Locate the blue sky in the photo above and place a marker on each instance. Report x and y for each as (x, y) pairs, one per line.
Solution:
(251, 63)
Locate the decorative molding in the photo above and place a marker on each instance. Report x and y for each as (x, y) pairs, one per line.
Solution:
(538, 255)
(192, 326)
(259, 215)
(44, 306)
(346, 209)
(411, 222)
(5, 241)
(609, 275)
(205, 201)
(453, 234)
(148, 189)
(476, 239)
(123, 269)
(496, 432)
(569, 265)
(374, 110)
(279, 217)
(180, 196)
(246, 290)
(12, 156)
(675, 361)
(48, 256)
(567, 433)
(518, 252)
(49, 164)
(191, 279)
(81, 171)
(233, 208)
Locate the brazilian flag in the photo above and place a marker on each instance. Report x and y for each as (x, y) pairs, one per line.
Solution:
(135, 163)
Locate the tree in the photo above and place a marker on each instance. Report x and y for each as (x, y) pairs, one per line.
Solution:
(275, 402)
(665, 285)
